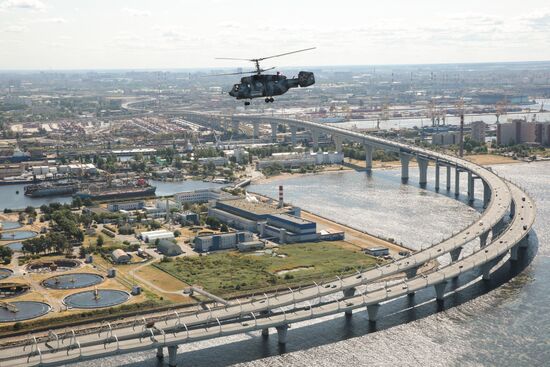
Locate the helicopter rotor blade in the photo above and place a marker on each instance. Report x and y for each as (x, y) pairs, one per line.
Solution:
(284, 54)
(271, 68)
(267, 57)
(239, 73)
(232, 58)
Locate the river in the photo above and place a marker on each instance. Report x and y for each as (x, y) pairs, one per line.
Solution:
(503, 322)
(11, 196)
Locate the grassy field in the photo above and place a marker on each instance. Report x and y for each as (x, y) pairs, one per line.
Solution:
(232, 273)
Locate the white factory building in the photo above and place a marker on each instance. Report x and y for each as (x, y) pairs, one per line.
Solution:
(294, 159)
(197, 196)
(152, 236)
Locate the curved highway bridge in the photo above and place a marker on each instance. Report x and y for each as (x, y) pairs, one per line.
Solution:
(498, 238)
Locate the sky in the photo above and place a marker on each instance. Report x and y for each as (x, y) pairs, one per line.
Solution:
(168, 34)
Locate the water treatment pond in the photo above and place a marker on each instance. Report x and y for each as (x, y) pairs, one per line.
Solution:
(96, 298)
(4, 273)
(16, 246)
(73, 281)
(22, 310)
(6, 225)
(18, 235)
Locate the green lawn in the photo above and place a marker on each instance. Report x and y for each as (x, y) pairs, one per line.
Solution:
(231, 273)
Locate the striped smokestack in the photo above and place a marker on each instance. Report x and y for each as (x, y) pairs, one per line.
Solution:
(281, 201)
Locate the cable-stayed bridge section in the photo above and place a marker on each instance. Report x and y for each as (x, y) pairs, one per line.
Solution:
(497, 238)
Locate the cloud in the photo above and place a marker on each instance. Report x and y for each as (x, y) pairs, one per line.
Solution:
(15, 29)
(136, 12)
(22, 4)
(52, 20)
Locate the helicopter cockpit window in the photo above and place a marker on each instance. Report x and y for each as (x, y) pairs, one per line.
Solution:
(236, 87)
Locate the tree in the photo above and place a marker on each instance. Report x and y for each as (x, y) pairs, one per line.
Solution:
(100, 241)
(177, 233)
(77, 202)
(213, 222)
(224, 228)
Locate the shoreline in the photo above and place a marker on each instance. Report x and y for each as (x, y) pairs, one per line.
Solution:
(354, 165)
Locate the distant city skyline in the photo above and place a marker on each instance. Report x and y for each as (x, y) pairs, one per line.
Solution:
(139, 34)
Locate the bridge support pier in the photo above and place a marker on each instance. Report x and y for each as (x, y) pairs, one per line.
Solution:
(347, 294)
(172, 355)
(368, 158)
(405, 158)
(265, 332)
(457, 181)
(282, 333)
(436, 176)
(372, 310)
(315, 139)
(448, 187)
(486, 270)
(471, 187)
(486, 194)
(455, 254)
(256, 129)
(440, 290)
(423, 168)
(293, 130)
(524, 243)
(483, 239)
(514, 252)
(160, 352)
(337, 143)
(411, 273)
(274, 127)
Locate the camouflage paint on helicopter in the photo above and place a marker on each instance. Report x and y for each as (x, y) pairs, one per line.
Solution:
(267, 85)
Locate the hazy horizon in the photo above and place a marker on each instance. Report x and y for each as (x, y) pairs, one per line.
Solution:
(136, 35)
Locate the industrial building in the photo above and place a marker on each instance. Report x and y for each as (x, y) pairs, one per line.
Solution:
(130, 205)
(187, 218)
(478, 131)
(198, 196)
(521, 131)
(377, 251)
(285, 228)
(120, 256)
(169, 248)
(294, 159)
(152, 236)
(221, 241)
(446, 138)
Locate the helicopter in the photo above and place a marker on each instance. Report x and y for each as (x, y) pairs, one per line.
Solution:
(267, 85)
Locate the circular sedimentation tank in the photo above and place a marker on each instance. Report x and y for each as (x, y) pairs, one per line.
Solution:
(17, 235)
(22, 310)
(72, 281)
(7, 225)
(53, 265)
(16, 246)
(96, 298)
(8, 290)
(4, 273)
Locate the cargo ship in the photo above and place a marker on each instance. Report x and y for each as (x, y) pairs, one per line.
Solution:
(95, 192)
(51, 189)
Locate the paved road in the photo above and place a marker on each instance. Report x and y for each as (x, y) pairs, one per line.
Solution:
(221, 321)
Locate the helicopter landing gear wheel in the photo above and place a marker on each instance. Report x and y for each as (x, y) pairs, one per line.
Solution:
(247, 103)
(267, 100)
(271, 100)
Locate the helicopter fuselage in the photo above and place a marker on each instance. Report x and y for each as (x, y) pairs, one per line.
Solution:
(269, 85)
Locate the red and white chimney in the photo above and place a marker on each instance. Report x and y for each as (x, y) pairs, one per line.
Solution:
(281, 201)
